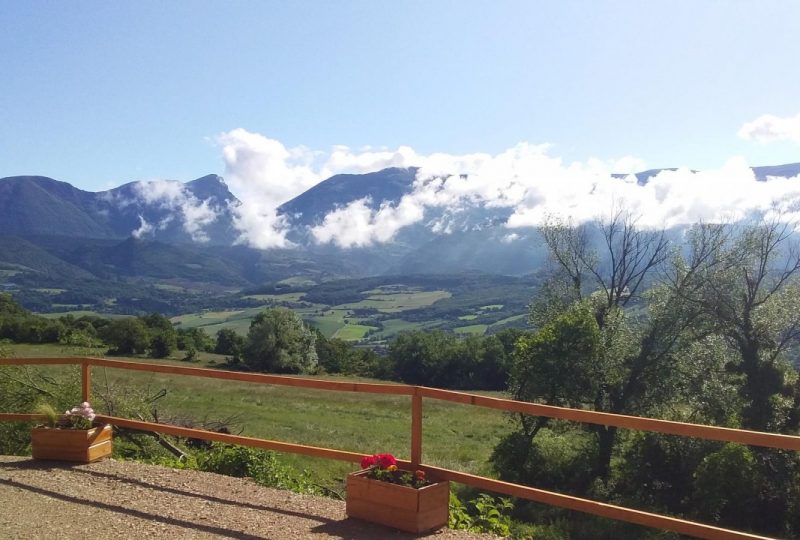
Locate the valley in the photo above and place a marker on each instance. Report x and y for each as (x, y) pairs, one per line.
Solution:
(373, 311)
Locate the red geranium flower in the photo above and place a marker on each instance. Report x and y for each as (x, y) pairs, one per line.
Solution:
(382, 461)
(386, 460)
(368, 461)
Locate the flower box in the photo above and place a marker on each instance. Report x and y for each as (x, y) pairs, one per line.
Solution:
(402, 507)
(81, 445)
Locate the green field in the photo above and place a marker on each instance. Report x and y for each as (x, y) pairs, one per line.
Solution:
(328, 321)
(352, 332)
(82, 313)
(394, 302)
(170, 287)
(510, 319)
(456, 436)
(213, 321)
(50, 291)
(54, 350)
(475, 329)
(332, 321)
(287, 297)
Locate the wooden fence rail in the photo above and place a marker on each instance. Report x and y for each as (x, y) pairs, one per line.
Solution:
(417, 393)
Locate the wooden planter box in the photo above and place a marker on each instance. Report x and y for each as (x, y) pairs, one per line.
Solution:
(405, 508)
(81, 445)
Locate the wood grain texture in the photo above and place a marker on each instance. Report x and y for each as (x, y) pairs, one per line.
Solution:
(405, 508)
(80, 445)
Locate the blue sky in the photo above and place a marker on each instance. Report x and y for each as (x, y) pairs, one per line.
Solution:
(101, 93)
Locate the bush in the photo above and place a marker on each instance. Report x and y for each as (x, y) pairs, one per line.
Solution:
(260, 465)
(483, 514)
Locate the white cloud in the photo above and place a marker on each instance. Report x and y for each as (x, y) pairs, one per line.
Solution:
(769, 128)
(173, 195)
(144, 228)
(357, 225)
(526, 180)
(264, 174)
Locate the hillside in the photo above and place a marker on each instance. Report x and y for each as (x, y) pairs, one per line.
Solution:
(163, 210)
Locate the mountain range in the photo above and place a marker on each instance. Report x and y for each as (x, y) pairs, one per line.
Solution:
(187, 233)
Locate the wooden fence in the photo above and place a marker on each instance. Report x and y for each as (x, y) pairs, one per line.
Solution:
(417, 393)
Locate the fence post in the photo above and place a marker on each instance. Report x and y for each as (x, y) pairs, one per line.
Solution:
(416, 429)
(86, 380)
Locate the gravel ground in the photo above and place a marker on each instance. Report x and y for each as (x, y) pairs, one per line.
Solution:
(121, 500)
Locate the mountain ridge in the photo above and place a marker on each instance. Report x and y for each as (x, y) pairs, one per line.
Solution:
(143, 230)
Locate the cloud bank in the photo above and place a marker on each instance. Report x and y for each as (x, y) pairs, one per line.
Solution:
(527, 181)
(264, 173)
(769, 128)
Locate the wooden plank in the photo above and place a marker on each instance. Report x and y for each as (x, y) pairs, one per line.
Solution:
(416, 430)
(86, 381)
(700, 431)
(281, 380)
(588, 506)
(99, 451)
(446, 395)
(21, 417)
(315, 451)
(40, 361)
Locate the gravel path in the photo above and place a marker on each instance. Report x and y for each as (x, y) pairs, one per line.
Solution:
(121, 500)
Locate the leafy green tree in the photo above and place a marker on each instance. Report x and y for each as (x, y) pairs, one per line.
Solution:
(332, 353)
(559, 365)
(422, 357)
(752, 297)
(127, 336)
(9, 307)
(278, 341)
(447, 361)
(637, 359)
(162, 337)
(229, 342)
(726, 486)
(195, 338)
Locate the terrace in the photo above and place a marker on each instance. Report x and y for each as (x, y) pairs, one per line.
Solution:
(416, 395)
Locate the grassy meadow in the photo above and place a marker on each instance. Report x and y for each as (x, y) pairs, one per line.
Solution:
(455, 436)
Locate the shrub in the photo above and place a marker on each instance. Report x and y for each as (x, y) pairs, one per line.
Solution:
(260, 465)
